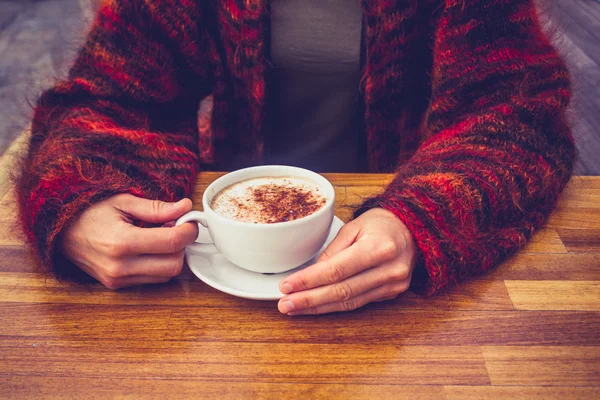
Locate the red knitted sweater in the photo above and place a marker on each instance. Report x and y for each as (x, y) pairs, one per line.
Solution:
(464, 99)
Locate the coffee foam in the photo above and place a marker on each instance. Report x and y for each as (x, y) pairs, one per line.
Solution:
(269, 200)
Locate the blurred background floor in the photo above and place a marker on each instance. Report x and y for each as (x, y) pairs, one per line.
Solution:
(38, 40)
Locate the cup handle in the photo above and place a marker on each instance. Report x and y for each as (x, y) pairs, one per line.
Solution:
(199, 217)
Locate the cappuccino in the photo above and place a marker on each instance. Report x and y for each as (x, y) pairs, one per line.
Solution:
(269, 200)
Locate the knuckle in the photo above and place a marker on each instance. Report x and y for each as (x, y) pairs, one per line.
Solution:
(349, 305)
(385, 250)
(401, 287)
(111, 283)
(115, 271)
(343, 292)
(115, 247)
(164, 279)
(175, 269)
(399, 274)
(157, 206)
(302, 282)
(334, 273)
(306, 302)
(389, 297)
(392, 293)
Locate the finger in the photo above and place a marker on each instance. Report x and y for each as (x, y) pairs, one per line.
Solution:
(153, 211)
(354, 259)
(344, 239)
(138, 270)
(159, 240)
(348, 305)
(161, 265)
(354, 286)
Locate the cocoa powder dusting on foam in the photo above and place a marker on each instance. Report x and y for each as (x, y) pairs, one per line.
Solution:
(270, 201)
(281, 203)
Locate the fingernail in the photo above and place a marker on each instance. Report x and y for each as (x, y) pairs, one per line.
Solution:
(286, 306)
(286, 288)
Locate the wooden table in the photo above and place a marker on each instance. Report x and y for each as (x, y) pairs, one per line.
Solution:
(530, 329)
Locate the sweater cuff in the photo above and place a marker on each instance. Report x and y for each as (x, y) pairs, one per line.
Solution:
(51, 207)
(431, 272)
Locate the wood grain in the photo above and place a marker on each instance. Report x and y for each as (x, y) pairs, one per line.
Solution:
(400, 327)
(544, 266)
(83, 321)
(555, 295)
(520, 392)
(543, 366)
(580, 240)
(28, 387)
(545, 241)
(253, 362)
(186, 290)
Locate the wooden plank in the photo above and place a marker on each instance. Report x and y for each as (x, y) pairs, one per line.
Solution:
(349, 180)
(336, 179)
(357, 195)
(580, 198)
(388, 326)
(394, 327)
(583, 182)
(83, 321)
(543, 366)
(16, 259)
(520, 392)
(565, 217)
(247, 362)
(545, 241)
(555, 295)
(31, 387)
(556, 267)
(188, 291)
(478, 294)
(580, 240)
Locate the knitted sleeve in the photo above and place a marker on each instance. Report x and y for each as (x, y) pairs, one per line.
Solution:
(498, 151)
(125, 120)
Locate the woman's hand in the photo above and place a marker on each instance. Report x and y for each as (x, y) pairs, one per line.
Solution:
(371, 259)
(106, 244)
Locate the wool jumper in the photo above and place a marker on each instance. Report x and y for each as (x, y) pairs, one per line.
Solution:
(464, 100)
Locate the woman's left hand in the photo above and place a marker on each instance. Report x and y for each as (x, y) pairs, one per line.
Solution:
(371, 259)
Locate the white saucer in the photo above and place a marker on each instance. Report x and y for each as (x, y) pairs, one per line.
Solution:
(215, 270)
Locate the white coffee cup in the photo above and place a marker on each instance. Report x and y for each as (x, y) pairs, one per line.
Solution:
(266, 248)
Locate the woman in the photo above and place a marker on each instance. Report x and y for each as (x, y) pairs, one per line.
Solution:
(464, 99)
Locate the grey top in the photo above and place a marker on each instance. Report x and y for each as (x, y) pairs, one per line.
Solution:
(314, 117)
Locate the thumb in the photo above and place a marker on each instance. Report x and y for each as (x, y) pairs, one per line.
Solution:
(152, 211)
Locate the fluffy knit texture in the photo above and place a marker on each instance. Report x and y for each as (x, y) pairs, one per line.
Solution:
(464, 99)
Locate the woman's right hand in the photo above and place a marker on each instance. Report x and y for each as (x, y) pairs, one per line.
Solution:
(104, 242)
